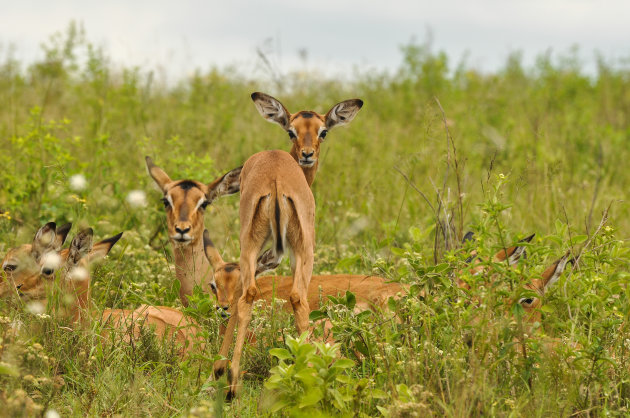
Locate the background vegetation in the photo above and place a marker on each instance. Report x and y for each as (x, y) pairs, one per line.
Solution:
(437, 150)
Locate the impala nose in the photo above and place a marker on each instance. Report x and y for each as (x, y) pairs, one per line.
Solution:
(223, 311)
(306, 154)
(181, 231)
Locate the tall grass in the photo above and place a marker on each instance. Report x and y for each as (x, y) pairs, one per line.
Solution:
(435, 149)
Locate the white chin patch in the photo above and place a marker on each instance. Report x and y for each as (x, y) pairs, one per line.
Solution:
(51, 261)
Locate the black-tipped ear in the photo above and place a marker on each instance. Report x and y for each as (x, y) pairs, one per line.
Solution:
(157, 174)
(102, 248)
(553, 272)
(80, 246)
(44, 240)
(529, 238)
(227, 184)
(468, 237)
(342, 113)
(212, 254)
(62, 234)
(271, 109)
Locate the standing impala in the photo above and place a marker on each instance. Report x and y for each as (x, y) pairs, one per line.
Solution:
(277, 205)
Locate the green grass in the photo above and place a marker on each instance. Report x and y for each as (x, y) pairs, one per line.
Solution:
(541, 149)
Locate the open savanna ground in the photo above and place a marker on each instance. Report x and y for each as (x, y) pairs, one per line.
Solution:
(437, 150)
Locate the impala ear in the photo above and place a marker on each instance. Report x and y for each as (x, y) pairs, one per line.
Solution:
(514, 253)
(553, 272)
(101, 249)
(271, 109)
(159, 176)
(227, 184)
(343, 113)
(62, 234)
(44, 240)
(80, 246)
(212, 254)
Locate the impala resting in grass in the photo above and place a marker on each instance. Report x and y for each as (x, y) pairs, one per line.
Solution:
(510, 255)
(372, 292)
(36, 280)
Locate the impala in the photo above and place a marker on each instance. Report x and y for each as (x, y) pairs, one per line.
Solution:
(277, 206)
(372, 292)
(185, 202)
(34, 279)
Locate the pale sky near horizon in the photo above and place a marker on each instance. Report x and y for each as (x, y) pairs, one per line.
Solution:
(338, 36)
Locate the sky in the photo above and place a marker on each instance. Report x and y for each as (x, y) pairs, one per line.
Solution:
(333, 37)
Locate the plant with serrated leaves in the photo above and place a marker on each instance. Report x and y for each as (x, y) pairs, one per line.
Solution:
(310, 378)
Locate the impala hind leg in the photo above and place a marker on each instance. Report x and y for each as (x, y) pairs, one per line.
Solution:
(243, 315)
(302, 273)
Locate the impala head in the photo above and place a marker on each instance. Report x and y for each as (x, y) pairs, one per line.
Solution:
(24, 267)
(539, 286)
(225, 277)
(186, 200)
(513, 254)
(306, 129)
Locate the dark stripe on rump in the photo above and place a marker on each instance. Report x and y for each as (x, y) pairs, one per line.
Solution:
(278, 234)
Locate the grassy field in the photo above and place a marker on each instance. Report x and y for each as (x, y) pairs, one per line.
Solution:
(437, 150)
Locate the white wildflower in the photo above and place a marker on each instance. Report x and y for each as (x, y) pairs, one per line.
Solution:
(78, 274)
(35, 307)
(78, 182)
(137, 199)
(51, 260)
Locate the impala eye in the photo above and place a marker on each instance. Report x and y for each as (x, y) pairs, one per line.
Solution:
(526, 301)
(292, 135)
(323, 133)
(204, 204)
(166, 203)
(9, 268)
(213, 287)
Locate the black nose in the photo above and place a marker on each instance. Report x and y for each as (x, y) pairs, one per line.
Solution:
(307, 155)
(47, 271)
(182, 231)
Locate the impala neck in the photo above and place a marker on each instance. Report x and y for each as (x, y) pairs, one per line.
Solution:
(309, 172)
(191, 267)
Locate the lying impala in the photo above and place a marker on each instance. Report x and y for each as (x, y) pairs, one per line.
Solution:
(372, 292)
(34, 278)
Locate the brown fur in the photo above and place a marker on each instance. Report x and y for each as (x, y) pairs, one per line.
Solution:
(306, 132)
(184, 214)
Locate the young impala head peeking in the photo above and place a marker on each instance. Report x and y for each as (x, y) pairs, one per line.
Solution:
(186, 200)
(306, 129)
(539, 286)
(24, 267)
(477, 266)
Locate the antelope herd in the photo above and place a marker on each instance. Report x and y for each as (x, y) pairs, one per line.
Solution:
(277, 216)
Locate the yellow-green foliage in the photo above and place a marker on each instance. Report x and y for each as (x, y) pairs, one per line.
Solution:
(540, 149)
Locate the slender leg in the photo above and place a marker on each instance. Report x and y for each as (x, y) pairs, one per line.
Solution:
(301, 279)
(244, 313)
(219, 365)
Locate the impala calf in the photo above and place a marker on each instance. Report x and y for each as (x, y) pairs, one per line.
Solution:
(372, 292)
(185, 202)
(24, 265)
(33, 281)
(306, 129)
